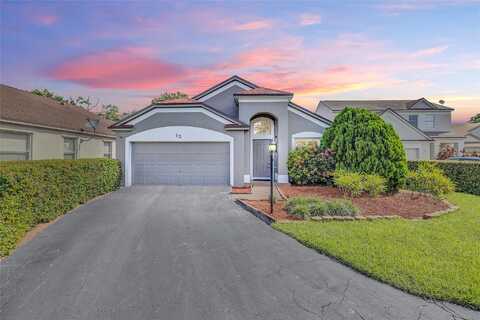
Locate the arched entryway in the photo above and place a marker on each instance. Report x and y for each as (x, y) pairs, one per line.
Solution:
(262, 133)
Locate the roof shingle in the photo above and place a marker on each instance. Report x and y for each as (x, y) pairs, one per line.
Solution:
(22, 106)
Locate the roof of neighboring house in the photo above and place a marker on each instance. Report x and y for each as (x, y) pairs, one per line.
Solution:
(177, 101)
(260, 91)
(310, 113)
(461, 130)
(381, 105)
(20, 106)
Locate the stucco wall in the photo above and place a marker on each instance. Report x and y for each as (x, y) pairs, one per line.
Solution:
(443, 120)
(404, 130)
(190, 119)
(422, 146)
(225, 102)
(48, 144)
(297, 124)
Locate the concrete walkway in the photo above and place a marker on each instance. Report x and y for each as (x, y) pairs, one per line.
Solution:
(188, 253)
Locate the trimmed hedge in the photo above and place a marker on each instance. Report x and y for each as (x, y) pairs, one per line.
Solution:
(465, 174)
(33, 192)
(310, 165)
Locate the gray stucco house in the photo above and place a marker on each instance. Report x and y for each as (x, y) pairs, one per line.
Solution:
(220, 136)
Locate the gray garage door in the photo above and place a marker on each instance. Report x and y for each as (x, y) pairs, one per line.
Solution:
(186, 163)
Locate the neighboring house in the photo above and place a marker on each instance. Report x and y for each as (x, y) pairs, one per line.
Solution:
(471, 132)
(424, 127)
(219, 136)
(34, 128)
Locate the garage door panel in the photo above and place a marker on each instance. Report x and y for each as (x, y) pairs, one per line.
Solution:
(202, 163)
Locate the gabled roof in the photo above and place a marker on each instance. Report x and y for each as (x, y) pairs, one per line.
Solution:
(23, 107)
(223, 83)
(407, 124)
(261, 91)
(381, 105)
(461, 130)
(176, 103)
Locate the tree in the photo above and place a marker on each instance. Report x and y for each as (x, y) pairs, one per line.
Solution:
(169, 96)
(475, 118)
(52, 95)
(110, 112)
(363, 142)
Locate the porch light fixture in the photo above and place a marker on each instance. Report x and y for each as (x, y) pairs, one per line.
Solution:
(272, 147)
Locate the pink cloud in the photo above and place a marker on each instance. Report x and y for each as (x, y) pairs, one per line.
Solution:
(308, 19)
(254, 25)
(45, 19)
(430, 51)
(128, 68)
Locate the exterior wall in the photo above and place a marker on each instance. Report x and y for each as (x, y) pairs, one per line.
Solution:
(404, 130)
(422, 146)
(48, 143)
(279, 110)
(459, 144)
(298, 124)
(190, 119)
(225, 102)
(325, 111)
(443, 120)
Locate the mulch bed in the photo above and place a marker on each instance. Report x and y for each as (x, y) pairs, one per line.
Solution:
(279, 213)
(402, 204)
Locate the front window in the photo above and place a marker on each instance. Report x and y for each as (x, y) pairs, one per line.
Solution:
(413, 119)
(107, 149)
(14, 146)
(69, 148)
(428, 122)
(262, 128)
(303, 142)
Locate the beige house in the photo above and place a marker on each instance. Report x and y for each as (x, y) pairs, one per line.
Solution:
(423, 126)
(35, 128)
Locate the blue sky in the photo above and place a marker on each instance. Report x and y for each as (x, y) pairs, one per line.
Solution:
(126, 52)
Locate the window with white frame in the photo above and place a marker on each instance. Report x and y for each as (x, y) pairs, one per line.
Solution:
(262, 128)
(303, 142)
(107, 149)
(428, 122)
(14, 146)
(303, 139)
(69, 148)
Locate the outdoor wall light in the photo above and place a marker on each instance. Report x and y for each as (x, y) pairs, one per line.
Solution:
(272, 147)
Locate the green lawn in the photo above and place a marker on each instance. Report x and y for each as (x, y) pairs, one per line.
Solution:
(437, 258)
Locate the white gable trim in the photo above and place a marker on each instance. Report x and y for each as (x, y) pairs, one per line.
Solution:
(223, 88)
(154, 111)
(174, 134)
(308, 117)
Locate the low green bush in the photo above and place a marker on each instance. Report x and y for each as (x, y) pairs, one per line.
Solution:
(350, 183)
(33, 192)
(355, 184)
(310, 165)
(465, 174)
(374, 185)
(306, 207)
(428, 178)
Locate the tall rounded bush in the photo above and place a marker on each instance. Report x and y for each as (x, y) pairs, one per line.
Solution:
(363, 142)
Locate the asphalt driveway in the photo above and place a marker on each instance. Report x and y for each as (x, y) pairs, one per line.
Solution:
(188, 253)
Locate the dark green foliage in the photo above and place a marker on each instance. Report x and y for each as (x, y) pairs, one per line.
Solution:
(475, 118)
(310, 165)
(169, 96)
(33, 192)
(306, 207)
(464, 174)
(363, 142)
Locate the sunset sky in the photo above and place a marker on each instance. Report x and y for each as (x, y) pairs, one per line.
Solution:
(125, 53)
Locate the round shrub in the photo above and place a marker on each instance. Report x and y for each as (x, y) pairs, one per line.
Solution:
(310, 165)
(363, 142)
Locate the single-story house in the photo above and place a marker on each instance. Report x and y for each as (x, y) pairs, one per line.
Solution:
(423, 126)
(34, 128)
(219, 136)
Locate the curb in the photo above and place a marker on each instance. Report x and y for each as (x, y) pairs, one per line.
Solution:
(265, 217)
